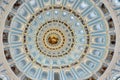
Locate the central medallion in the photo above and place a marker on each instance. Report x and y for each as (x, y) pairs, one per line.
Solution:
(53, 39)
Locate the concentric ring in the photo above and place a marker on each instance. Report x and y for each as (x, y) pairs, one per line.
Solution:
(68, 38)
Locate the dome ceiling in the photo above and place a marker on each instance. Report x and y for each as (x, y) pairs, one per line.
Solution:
(59, 40)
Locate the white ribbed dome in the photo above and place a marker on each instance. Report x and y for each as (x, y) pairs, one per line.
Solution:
(59, 40)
